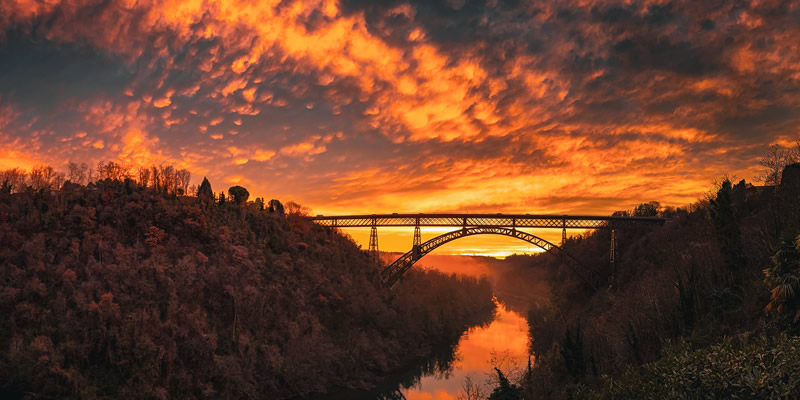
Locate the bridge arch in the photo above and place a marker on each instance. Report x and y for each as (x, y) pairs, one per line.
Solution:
(395, 270)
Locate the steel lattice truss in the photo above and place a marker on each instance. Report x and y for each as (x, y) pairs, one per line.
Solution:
(394, 271)
(496, 220)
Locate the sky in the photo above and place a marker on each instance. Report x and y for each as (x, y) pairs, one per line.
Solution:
(362, 106)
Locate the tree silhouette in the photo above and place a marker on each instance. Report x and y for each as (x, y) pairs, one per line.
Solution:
(505, 390)
(238, 194)
(204, 191)
(647, 209)
(726, 226)
(783, 278)
(572, 353)
(275, 206)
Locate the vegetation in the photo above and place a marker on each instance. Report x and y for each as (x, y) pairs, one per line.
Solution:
(238, 194)
(505, 390)
(721, 278)
(757, 368)
(125, 288)
(784, 279)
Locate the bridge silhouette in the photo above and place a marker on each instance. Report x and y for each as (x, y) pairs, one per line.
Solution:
(484, 224)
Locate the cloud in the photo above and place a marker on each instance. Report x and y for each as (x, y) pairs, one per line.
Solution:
(353, 105)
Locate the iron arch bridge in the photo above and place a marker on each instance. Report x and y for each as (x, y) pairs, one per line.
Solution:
(480, 224)
(395, 270)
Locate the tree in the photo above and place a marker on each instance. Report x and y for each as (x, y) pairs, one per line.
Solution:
(275, 206)
(168, 180)
(787, 212)
(76, 173)
(238, 194)
(293, 208)
(726, 226)
(205, 192)
(156, 177)
(783, 277)
(472, 390)
(505, 390)
(776, 159)
(40, 177)
(144, 176)
(647, 209)
(13, 179)
(114, 171)
(572, 353)
(57, 180)
(182, 179)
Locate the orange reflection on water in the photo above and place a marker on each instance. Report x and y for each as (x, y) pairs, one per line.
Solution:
(507, 336)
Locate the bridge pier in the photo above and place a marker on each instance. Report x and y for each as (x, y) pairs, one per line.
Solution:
(374, 254)
(417, 235)
(417, 239)
(612, 254)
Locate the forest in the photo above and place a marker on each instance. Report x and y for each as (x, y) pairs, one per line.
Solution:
(705, 306)
(122, 282)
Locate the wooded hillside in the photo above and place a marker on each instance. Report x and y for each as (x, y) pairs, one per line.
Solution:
(120, 290)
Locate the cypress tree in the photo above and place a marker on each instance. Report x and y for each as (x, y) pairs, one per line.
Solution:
(204, 191)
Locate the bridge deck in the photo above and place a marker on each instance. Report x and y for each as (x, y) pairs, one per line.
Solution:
(493, 220)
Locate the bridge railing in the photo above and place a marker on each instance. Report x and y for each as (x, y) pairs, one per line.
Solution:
(498, 220)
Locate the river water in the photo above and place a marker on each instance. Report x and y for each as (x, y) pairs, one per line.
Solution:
(502, 343)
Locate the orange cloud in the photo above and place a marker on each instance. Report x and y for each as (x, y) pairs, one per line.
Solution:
(572, 106)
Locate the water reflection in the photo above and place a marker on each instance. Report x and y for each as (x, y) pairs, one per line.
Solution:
(439, 364)
(441, 377)
(505, 339)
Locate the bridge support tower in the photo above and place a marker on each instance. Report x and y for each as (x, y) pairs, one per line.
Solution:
(563, 236)
(417, 239)
(612, 253)
(374, 254)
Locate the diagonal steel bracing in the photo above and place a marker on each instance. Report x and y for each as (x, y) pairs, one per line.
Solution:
(478, 224)
(394, 271)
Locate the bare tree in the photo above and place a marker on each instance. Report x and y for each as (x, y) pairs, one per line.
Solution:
(773, 163)
(57, 180)
(182, 178)
(471, 391)
(293, 208)
(168, 178)
(143, 176)
(156, 177)
(14, 179)
(113, 170)
(102, 173)
(77, 173)
(776, 159)
(40, 177)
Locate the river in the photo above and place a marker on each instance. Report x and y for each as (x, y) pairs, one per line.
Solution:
(503, 342)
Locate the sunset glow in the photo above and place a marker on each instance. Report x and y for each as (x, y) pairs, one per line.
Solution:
(448, 106)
